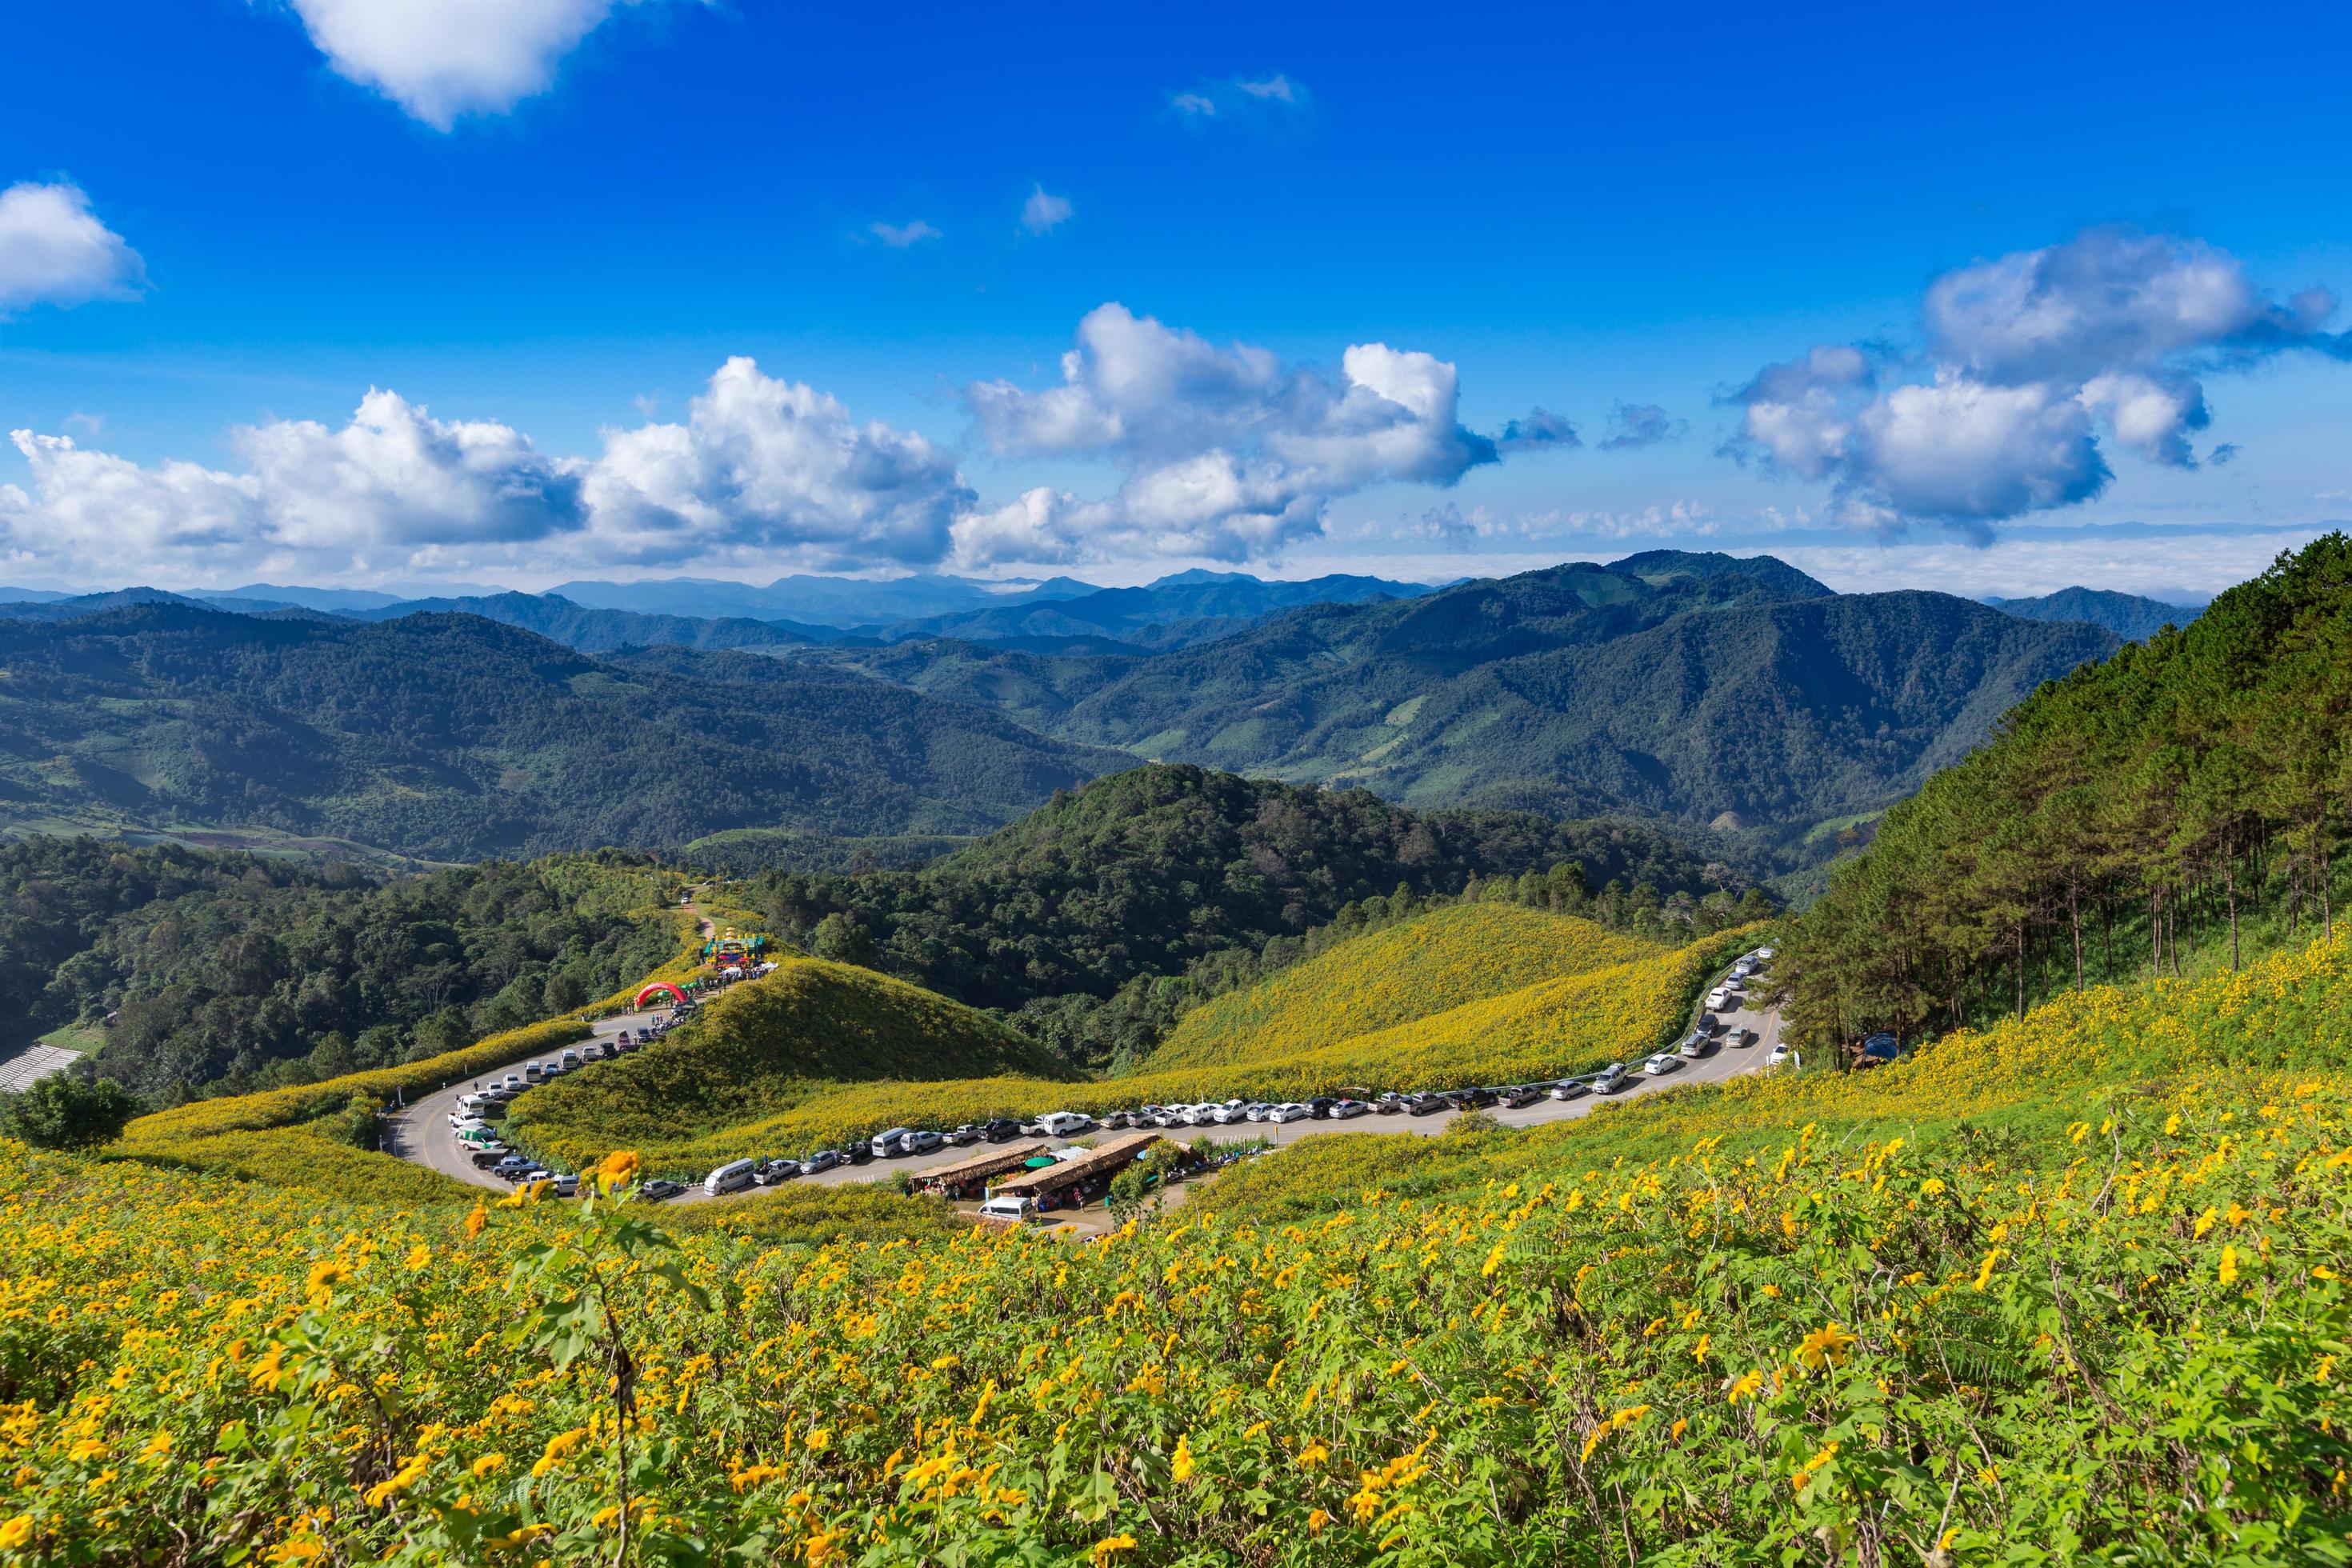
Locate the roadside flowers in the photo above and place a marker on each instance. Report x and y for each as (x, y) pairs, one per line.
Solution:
(1825, 1346)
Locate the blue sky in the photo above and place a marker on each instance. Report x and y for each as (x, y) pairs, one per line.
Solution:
(889, 213)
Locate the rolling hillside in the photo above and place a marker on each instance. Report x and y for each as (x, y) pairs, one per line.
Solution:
(451, 737)
(602, 630)
(1703, 689)
(762, 1048)
(1428, 964)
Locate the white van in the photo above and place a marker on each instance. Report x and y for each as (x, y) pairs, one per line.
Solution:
(730, 1177)
(571, 1060)
(533, 1072)
(893, 1143)
(1009, 1211)
(1062, 1123)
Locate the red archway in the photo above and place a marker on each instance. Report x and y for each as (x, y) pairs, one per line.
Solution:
(656, 988)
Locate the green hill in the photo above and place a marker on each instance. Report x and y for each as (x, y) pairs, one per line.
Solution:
(1432, 963)
(1100, 917)
(451, 737)
(2170, 810)
(758, 1049)
(2128, 615)
(1703, 689)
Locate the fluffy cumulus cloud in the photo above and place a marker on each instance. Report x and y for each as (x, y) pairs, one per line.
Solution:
(55, 251)
(1226, 451)
(2033, 363)
(439, 59)
(760, 470)
(1219, 451)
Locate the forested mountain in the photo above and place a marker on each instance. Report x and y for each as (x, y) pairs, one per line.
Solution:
(448, 737)
(599, 631)
(2128, 615)
(1203, 605)
(242, 972)
(1098, 918)
(822, 601)
(1703, 688)
(2154, 813)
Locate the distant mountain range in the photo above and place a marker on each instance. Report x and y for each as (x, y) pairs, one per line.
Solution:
(451, 737)
(1736, 696)
(1736, 693)
(2128, 615)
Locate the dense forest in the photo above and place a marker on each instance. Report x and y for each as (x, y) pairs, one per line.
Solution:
(2164, 811)
(452, 738)
(224, 973)
(1097, 920)
(1704, 689)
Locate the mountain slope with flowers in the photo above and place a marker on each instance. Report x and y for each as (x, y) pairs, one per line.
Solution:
(2069, 1287)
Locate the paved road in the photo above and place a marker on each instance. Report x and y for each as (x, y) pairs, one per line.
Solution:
(1725, 1062)
(422, 1134)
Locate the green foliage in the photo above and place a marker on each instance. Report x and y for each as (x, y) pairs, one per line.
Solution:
(759, 1047)
(2187, 794)
(1811, 1318)
(451, 737)
(1104, 915)
(1428, 964)
(61, 1111)
(225, 973)
(1696, 687)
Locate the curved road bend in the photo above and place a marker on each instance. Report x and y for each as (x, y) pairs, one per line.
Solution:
(422, 1134)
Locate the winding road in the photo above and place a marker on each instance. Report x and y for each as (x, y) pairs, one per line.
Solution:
(421, 1133)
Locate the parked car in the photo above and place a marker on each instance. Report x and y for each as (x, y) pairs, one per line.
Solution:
(858, 1153)
(1520, 1095)
(511, 1168)
(1115, 1121)
(485, 1159)
(775, 1173)
(1780, 1054)
(514, 1084)
(1064, 1123)
(822, 1160)
(1319, 1107)
(1764, 956)
(1232, 1111)
(568, 1061)
(1743, 1036)
(922, 1141)
(1287, 1112)
(967, 1134)
(1570, 1089)
(1470, 1098)
(730, 1177)
(659, 1190)
(1662, 1064)
(1609, 1080)
(1692, 1047)
(1001, 1130)
(1389, 1104)
(564, 1186)
(1425, 1104)
(1348, 1110)
(1009, 1210)
(1878, 1050)
(1709, 1023)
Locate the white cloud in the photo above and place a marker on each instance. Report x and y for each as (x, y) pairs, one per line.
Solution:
(54, 250)
(900, 236)
(1045, 212)
(439, 59)
(2028, 360)
(1222, 453)
(1227, 453)
(765, 468)
(1240, 98)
